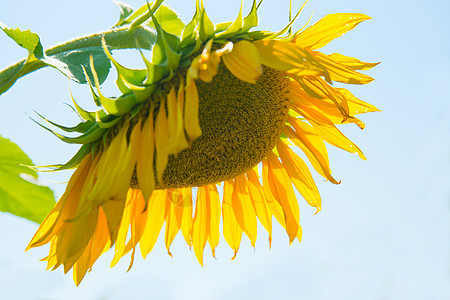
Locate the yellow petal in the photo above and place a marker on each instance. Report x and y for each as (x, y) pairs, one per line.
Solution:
(243, 208)
(301, 101)
(113, 179)
(186, 221)
(138, 218)
(244, 62)
(75, 238)
(191, 107)
(200, 226)
(329, 133)
(172, 227)
(232, 232)
(161, 141)
(286, 56)
(339, 72)
(282, 190)
(144, 166)
(81, 266)
(119, 247)
(259, 201)
(327, 29)
(274, 206)
(351, 62)
(334, 136)
(306, 138)
(113, 211)
(299, 173)
(214, 212)
(317, 87)
(155, 220)
(114, 204)
(98, 245)
(177, 138)
(355, 105)
(65, 208)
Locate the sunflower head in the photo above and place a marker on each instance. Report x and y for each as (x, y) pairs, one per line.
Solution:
(217, 105)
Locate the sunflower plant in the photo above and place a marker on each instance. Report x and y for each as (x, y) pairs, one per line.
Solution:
(217, 112)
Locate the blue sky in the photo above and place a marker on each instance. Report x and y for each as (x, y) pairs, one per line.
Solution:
(384, 233)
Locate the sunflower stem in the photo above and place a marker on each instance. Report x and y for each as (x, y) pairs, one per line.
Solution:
(122, 38)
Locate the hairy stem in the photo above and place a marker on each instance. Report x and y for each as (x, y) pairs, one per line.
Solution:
(119, 38)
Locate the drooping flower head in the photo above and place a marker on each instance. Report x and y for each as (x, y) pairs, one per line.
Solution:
(217, 106)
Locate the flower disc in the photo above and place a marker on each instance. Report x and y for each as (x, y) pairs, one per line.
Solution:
(241, 123)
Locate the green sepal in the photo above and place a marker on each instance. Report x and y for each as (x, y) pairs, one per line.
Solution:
(154, 72)
(107, 121)
(125, 11)
(141, 93)
(82, 127)
(234, 28)
(119, 106)
(136, 110)
(86, 115)
(147, 15)
(289, 25)
(221, 27)
(71, 164)
(89, 136)
(91, 87)
(189, 34)
(93, 134)
(259, 34)
(168, 20)
(133, 16)
(164, 50)
(134, 76)
(104, 140)
(205, 26)
(190, 49)
(185, 63)
(251, 20)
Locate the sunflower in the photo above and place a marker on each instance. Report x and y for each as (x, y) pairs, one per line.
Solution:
(217, 107)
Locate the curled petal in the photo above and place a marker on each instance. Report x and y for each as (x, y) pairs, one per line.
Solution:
(244, 62)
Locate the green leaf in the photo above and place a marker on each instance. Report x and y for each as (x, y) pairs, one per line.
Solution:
(25, 39)
(32, 43)
(168, 20)
(71, 63)
(20, 192)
